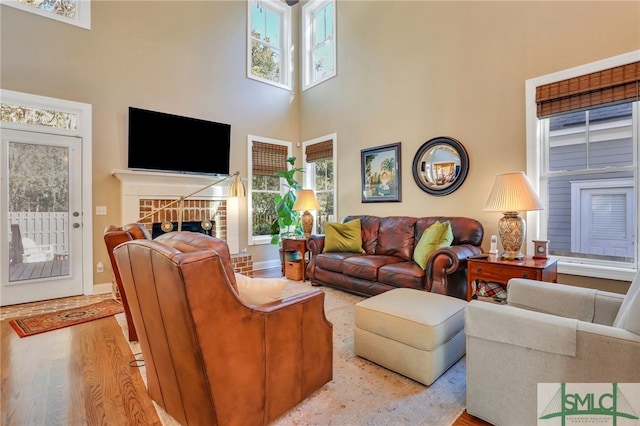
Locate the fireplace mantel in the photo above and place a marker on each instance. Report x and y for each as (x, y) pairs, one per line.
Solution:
(137, 185)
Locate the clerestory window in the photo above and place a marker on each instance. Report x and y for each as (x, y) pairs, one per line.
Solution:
(269, 42)
(74, 12)
(319, 42)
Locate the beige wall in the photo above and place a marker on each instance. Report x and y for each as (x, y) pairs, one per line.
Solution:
(407, 72)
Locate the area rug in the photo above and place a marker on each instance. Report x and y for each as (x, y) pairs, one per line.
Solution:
(28, 326)
(361, 392)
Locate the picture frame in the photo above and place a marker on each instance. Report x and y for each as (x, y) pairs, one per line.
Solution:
(381, 173)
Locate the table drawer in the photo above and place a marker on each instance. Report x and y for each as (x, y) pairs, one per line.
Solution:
(501, 273)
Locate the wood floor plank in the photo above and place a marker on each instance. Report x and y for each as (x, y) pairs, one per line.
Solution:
(75, 375)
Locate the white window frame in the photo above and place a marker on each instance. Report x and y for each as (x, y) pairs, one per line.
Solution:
(309, 175)
(286, 46)
(83, 12)
(311, 7)
(537, 161)
(260, 239)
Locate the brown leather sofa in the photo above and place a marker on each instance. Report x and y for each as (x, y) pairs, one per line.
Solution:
(388, 259)
(210, 358)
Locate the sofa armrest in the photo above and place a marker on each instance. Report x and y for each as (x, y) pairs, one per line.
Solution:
(584, 304)
(447, 261)
(315, 244)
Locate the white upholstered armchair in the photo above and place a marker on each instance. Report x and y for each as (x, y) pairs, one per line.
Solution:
(547, 333)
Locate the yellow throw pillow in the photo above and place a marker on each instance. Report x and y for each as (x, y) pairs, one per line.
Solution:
(343, 237)
(434, 237)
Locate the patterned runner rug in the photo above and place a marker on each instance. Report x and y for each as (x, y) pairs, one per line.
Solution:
(28, 326)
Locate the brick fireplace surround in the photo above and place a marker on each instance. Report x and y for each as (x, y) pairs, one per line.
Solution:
(145, 192)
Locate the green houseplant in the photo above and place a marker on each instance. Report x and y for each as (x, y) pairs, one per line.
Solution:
(287, 221)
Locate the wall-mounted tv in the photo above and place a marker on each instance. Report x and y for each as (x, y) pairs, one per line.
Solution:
(166, 142)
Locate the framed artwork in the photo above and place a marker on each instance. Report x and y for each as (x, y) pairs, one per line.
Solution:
(381, 177)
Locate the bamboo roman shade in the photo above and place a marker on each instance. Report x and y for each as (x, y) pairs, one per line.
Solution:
(267, 158)
(616, 84)
(319, 151)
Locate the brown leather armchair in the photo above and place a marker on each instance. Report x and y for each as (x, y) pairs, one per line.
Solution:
(112, 237)
(210, 358)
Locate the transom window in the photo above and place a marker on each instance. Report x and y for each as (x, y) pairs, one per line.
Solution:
(269, 40)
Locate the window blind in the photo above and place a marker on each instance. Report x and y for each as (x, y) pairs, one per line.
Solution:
(616, 84)
(319, 151)
(268, 158)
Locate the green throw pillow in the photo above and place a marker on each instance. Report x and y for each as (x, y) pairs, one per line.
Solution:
(434, 237)
(343, 237)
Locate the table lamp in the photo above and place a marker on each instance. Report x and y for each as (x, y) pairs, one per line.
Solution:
(512, 193)
(306, 200)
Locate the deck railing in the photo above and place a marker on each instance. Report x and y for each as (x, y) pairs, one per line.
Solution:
(44, 228)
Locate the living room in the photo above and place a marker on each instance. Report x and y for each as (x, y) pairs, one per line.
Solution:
(407, 71)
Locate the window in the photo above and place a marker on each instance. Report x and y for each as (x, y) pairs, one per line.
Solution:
(266, 156)
(584, 161)
(74, 12)
(320, 165)
(319, 42)
(269, 40)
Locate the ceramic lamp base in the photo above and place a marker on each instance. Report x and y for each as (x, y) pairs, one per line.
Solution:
(512, 228)
(307, 223)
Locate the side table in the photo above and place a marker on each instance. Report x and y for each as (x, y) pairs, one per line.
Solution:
(298, 245)
(497, 270)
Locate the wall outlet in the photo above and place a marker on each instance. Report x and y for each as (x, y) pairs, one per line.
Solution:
(99, 267)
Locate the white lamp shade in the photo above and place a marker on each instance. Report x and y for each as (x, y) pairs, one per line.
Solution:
(306, 200)
(512, 192)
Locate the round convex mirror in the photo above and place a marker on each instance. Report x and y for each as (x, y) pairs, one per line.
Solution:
(440, 166)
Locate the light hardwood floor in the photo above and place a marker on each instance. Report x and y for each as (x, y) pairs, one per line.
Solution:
(80, 375)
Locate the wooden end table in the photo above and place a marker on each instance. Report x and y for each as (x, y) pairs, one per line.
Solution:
(295, 244)
(497, 270)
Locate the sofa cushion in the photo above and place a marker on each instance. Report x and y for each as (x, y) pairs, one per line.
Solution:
(396, 236)
(343, 237)
(434, 237)
(333, 261)
(366, 266)
(403, 274)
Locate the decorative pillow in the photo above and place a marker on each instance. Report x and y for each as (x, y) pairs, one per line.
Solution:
(343, 237)
(488, 289)
(434, 237)
(258, 291)
(629, 314)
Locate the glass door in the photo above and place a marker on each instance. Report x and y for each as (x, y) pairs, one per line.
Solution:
(42, 184)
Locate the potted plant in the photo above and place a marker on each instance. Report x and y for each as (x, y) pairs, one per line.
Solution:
(287, 222)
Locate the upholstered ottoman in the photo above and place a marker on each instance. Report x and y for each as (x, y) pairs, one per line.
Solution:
(412, 332)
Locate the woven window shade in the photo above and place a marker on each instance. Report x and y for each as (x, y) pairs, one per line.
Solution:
(319, 151)
(599, 88)
(268, 158)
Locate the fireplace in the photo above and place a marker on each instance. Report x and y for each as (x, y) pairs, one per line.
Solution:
(159, 228)
(145, 192)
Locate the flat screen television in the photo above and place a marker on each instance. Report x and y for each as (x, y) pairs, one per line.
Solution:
(171, 143)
